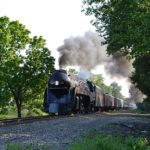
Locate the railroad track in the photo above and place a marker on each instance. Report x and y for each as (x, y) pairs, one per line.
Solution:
(16, 121)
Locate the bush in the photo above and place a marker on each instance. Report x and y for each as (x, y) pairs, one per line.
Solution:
(38, 111)
(144, 106)
(4, 111)
(37, 103)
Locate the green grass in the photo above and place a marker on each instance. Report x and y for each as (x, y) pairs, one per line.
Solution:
(25, 113)
(9, 116)
(109, 142)
(136, 111)
(18, 147)
(94, 141)
(34, 108)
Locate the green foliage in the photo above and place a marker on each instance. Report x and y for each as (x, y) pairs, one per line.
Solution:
(136, 111)
(39, 112)
(94, 141)
(18, 147)
(4, 110)
(124, 24)
(141, 75)
(35, 103)
(30, 147)
(97, 79)
(25, 63)
(73, 70)
(116, 90)
(5, 94)
(144, 106)
(106, 88)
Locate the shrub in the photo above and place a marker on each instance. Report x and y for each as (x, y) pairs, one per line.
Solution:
(144, 106)
(4, 110)
(38, 111)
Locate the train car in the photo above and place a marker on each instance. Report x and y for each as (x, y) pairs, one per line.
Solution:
(99, 99)
(115, 103)
(109, 102)
(119, 104)
(66, 93)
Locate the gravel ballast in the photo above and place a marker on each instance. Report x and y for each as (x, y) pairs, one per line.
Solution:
(61, 132)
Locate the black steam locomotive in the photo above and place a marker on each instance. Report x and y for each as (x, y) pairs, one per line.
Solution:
(66, 93)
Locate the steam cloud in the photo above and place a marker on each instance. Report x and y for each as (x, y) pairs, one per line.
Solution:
(135, 94)
(87, 52)
(118, 66)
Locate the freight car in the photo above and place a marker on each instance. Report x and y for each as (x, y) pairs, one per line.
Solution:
(66, 93)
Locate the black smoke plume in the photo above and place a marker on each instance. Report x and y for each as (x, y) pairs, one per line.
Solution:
(135, 94)
(118, 66)
(87, 52)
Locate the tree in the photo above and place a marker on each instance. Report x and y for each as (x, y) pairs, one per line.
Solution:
(116, 89)
(124, 24)
(99, 81)
(106, 88)
(25, 62)
(73, 71)
(141, 75)
(5, 94)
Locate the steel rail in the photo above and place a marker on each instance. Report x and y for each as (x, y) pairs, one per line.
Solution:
(16, 121)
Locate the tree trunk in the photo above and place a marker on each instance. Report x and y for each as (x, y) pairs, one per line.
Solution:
(19, 111)
(18, 103)
(17, 99)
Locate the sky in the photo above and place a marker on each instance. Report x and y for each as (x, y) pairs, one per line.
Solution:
(55, 20)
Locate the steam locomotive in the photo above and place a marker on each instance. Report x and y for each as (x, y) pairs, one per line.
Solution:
(67, 93)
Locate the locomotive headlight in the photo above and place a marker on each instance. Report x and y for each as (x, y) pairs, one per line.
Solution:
(56, 82)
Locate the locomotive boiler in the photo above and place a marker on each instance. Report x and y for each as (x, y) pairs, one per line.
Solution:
(66, 93)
